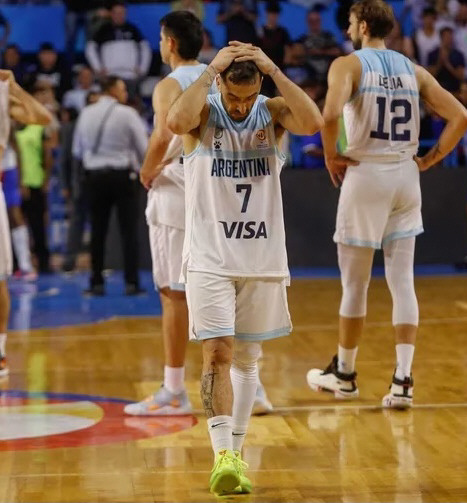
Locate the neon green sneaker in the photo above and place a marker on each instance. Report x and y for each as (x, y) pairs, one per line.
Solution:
(245, 486)
(224, 475)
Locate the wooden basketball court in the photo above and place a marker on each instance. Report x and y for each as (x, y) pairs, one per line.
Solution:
(311, 449)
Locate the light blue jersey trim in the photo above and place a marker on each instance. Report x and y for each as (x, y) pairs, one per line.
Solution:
(178, 287)
(392, 92)
(402, 234)
(212, 334)
(264, 336)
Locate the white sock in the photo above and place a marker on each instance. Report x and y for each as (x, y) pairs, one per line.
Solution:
(174, 379)
(404, 354)
(20, 240)
(3, 344)
(346, 359)
(220, 431)
(244, 385)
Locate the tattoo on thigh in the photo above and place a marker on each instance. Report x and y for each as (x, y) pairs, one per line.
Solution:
(207, 388)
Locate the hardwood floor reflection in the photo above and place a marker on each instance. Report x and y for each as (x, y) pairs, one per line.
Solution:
(311, 449)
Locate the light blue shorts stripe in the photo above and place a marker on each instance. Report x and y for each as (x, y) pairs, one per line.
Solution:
(402, 234)
(178, 287)
(264, 336)
(213, 334)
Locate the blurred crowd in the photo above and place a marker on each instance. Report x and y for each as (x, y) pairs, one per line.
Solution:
(431, 33)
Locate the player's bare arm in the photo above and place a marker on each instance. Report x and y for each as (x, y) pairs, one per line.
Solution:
(447, 107)
(343, 78)
(185, 114)
(294, 110)
(22, 106)
(164, 95)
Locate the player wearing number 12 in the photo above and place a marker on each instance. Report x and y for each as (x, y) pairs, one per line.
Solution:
(380, 202)
(235, 261)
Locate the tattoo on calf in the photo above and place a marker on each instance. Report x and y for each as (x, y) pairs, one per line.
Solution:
(207, 388)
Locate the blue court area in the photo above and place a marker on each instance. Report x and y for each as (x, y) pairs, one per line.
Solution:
(57, 299)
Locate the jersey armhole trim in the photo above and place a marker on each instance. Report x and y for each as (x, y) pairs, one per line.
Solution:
(202, 135)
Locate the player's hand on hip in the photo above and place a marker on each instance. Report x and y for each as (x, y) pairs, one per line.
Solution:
(422, 165)
(337, 166)
(255, 54)
(224, 58)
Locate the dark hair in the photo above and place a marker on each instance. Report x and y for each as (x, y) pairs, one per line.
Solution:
(12, 46)
(108, 82)
(90, 95)
(273, 6)
(187, 30)
(47, 46)
(429, 11)
(445, 30)
(377, 14)
(243, 72)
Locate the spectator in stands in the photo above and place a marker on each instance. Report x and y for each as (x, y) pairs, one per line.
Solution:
(5, 25)
(296, 66)
(12, 61)
(196, 7)
(76, 97)
(239, 18)
(75, 19)
(208, 51)
(118, 48)
(446, 63)
(396, 41)
(274, 40)
(50, 69)
(415, 8)
(446, 12)
(426, 38)
(321, 46)
(35, 147)
(460, 32)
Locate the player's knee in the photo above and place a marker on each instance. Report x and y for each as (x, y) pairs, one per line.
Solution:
(246, 355)
(218, 351)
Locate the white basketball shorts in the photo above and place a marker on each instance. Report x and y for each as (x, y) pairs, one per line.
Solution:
(251, 309)
(6, 258)
(379, 203)
(166, 253)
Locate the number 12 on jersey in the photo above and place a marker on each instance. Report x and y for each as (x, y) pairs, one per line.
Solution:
(396, 105)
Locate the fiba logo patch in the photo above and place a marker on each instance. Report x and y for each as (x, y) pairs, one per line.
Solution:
(218, 133)
(262, 140)
(217, 145)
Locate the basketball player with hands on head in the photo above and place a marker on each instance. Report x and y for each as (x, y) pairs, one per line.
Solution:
(181, 38)
(378, 91)
(234, 256)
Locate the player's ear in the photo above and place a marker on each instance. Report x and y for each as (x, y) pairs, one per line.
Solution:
(218, 81)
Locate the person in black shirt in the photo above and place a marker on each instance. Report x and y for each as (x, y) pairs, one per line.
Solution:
(239, 18)
(12, 61)
(273, 40)
(50, 69)
(447, 64)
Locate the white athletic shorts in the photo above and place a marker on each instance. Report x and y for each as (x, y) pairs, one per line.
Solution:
(6, 259)
(166, 253)
(379, 203)
(251, 309)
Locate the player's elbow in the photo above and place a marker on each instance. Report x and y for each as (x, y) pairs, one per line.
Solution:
(316, 124)
(176, 123)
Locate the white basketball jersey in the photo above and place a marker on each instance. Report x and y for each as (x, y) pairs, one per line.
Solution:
(4, 113)
(166, 200)
(382, 120)
(234, 216)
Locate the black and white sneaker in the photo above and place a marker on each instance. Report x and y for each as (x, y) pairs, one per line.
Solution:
(344, 386)
(400, 395)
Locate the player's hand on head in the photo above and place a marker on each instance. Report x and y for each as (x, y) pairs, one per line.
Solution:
(255, 54)
(224, 57)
